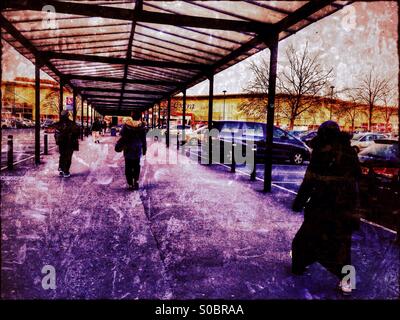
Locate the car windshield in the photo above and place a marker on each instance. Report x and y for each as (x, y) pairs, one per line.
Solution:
(297, 133)
(229, 128)
(180, 127)
(253, 129)
(310, 134)
(388, 152)
(357, 136)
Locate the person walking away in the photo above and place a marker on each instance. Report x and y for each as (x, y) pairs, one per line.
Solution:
(96, 128)
(66, 136)
(104, 127)
(134, 136)
(328, 195)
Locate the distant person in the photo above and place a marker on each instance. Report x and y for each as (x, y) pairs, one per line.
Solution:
(133, 139)
(66, 136)
(104, 127)
(96, 129)
(328, 195)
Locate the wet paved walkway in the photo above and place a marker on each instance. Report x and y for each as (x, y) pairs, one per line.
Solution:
(192, 231)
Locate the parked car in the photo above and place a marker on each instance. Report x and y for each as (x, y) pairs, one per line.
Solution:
(306, 138)
(6, 124)
(298, 134)
(197, 136)
(19, 124)
(27, 123)
(47, 123)
(380, 182)
(178, 129)
(285, 146)
(362, 140)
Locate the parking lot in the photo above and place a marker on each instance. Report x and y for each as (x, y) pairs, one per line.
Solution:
(288, 178)
(23, 144)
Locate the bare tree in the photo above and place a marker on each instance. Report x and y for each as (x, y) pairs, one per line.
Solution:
(388, 111)
(370, 91)
(302, 82)
(349, 108)
(299, 86)
(256, 105)
(50, 103)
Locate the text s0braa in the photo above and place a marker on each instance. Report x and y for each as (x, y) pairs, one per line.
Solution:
(204, 309)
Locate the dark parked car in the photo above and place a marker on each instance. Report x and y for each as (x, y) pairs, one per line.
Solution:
(306, 138)
(380, 182)
(46, 123)
(285, 146)
(297, 134)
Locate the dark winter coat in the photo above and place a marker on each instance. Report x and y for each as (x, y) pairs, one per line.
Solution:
(328, 195)
(133, 136)
(66, 134)
(96, 126)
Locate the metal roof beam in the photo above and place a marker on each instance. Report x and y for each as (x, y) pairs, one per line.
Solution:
(94, 89)
(138, 9)
(100, 102)
(120, 80)
(106, 97)
(91, 10)
(302, 13)
(114, 60)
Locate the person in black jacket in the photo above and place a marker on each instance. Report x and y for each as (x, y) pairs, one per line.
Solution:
(328, 195)
(134, 139)
(66, 136)
(96, 129)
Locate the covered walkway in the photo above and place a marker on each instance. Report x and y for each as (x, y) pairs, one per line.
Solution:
(192, 231)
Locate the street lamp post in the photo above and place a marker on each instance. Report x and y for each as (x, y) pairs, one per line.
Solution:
(223, 113)
(330, 110)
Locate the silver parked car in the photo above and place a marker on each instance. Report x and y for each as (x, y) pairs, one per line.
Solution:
(363, 140)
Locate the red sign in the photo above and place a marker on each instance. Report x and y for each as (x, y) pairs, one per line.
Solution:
(69, 103)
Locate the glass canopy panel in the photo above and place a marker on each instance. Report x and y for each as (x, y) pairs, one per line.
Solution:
(126, 4)
(230, 10)
(162, 73)
(202, 39)
(89, 68)
(143, 47)
(96, 84)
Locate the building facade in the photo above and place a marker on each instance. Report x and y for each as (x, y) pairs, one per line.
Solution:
(19, 101)
(249, 107)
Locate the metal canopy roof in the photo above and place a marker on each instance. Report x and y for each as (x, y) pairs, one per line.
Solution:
(124, 54)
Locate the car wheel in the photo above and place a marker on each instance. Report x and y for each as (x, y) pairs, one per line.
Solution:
(356, 149)
(297, 158)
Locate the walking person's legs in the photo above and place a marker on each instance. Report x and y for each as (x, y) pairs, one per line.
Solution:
(60, 170)
(129, 172)
(136, 173)
(62, 160)
(68, 161)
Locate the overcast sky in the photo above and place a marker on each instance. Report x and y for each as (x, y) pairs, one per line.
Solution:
(351, 41)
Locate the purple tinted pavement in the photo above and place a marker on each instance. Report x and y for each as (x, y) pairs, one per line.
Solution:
(192, 231)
